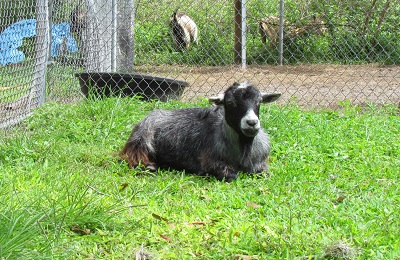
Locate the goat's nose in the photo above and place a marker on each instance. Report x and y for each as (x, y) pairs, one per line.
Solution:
(252, 122)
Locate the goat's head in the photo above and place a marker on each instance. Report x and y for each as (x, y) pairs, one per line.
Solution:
(242, 105)
(174, 15)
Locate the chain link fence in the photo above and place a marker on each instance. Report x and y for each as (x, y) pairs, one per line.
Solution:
(23, 59)
(316, 52)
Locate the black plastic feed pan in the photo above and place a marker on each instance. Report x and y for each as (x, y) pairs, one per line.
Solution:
(99, 84)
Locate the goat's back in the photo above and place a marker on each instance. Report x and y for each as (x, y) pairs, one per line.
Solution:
(177, 138)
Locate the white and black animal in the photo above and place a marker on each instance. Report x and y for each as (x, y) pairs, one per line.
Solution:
(78, 18)
(220, 141)
(184, 30)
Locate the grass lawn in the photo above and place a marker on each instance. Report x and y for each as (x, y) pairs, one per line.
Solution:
(332, 192)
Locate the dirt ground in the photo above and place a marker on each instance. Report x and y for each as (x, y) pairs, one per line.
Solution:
(310, 85)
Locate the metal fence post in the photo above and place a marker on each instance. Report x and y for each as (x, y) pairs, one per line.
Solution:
(244, 25)
(42, 47)
(281, 23)
(240, 32)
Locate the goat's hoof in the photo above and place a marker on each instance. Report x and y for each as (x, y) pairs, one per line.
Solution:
(151, 167)
(227, 176)
(230, 177)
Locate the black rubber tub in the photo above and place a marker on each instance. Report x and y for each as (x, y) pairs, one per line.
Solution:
(99, 85)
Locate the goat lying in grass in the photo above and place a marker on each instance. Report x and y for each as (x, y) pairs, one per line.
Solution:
(218, 141)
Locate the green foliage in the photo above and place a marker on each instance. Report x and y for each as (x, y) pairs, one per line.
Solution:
(13, 11)
(357, 32)
(154, 43)
(20, 234)
(333, 177)
(349, 37)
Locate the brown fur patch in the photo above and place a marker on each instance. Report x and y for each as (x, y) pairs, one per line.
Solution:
(135, 154)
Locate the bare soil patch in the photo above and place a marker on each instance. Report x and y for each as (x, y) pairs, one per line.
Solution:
(309, 85)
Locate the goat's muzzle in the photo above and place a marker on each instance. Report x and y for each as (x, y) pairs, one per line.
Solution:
(250, 124)
(250, 131)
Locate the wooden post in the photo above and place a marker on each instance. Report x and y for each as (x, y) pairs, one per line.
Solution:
(238, 32)
(97, 36)
(90, 40)
(126, 17)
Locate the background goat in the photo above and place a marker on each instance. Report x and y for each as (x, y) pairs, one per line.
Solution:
(184, 30)
(219, 141)
(78, 19)
(269, 28)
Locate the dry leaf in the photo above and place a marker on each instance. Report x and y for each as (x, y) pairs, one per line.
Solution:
(159, 217)
(123, 186)
(252, 204)
(205, 197)
(191, 224)
(244, 257)
(167, 238)
(76, 229)
(171, 225)
(339, 199)
(198, 223)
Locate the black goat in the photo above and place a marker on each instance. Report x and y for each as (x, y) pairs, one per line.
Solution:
(218, 141)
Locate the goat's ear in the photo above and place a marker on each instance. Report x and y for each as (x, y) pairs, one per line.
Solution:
(270, 97)
(217, 100)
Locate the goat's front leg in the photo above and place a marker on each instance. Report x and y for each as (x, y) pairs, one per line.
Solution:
(220, 170)
(260, 169)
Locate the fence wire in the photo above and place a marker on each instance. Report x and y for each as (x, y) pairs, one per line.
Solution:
(318, 53)
(23, 59)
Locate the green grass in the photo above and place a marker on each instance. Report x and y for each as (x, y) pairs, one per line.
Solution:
(334, 177)
(14, 83)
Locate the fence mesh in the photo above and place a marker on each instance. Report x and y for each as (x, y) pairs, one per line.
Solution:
(23, 58)
(326, 52)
